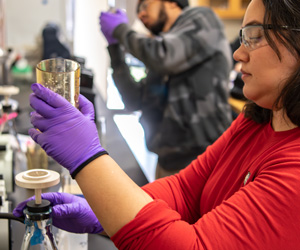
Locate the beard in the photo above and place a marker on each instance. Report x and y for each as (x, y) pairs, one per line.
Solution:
(158, 26)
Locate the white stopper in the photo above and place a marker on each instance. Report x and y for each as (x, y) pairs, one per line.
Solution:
(37, 179)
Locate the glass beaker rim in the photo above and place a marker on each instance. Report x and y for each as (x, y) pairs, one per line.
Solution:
(75, 65)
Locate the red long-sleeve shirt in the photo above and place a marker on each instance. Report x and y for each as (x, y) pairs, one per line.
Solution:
(242, 193)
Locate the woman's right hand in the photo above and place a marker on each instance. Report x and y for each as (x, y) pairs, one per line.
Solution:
(67, 134)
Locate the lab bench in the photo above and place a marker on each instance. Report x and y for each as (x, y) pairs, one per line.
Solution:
(115, 144)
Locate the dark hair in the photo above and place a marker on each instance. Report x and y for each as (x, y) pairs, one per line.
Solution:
(181, 3)
(282, 13)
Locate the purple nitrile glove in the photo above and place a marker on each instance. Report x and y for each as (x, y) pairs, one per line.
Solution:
(109, 21)
(69, 212)
(67, 134)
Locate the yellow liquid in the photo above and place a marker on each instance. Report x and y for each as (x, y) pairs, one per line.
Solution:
(66, 84)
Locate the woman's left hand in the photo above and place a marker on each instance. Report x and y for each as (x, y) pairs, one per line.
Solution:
(69, 212)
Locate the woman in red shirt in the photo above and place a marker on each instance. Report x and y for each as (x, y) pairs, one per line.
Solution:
(242, 193)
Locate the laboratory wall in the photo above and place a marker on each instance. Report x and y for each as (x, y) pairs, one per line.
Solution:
(79, 23)
(89, 41)
(26, 18)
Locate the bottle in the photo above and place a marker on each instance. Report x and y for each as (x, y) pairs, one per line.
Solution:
(38, 233)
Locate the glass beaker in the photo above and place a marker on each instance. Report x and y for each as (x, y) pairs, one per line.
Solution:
(61, 76)
(38, 233)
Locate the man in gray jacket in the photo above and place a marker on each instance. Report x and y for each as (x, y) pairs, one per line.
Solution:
(184, 96)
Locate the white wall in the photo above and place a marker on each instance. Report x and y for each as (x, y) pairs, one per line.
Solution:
(89, 42)
(232, 28)
(27, 18)
(88, 39)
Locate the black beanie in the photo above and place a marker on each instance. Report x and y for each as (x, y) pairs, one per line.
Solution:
(181, 3)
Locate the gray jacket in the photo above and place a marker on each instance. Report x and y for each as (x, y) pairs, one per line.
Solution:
(184, 97)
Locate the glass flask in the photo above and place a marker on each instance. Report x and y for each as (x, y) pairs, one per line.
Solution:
(38, 233)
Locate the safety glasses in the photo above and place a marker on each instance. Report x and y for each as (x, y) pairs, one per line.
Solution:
(253, 36)
(142, 6)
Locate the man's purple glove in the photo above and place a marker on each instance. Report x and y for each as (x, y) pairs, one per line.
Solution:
(67, 134)
(109, 21)
(69, 212)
